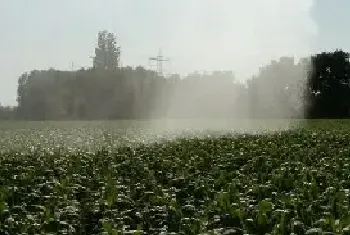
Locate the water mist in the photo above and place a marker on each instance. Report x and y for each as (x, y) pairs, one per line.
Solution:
(242, 36)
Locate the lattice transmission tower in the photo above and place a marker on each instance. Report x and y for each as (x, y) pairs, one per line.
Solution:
(159, 59)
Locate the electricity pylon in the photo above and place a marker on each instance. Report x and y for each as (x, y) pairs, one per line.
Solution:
(159, 59)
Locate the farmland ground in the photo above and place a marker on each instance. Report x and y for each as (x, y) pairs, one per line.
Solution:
(83, 178)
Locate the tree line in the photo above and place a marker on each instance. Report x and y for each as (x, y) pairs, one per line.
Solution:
(313, 87)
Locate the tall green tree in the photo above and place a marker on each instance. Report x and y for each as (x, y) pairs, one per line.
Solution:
(107, 52)
(329, 87)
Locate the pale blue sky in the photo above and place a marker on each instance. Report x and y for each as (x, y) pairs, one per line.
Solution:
(239, 35)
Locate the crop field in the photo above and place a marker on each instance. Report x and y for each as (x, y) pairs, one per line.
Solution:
(98, 178)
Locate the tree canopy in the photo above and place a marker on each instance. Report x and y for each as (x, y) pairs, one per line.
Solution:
(313, 87)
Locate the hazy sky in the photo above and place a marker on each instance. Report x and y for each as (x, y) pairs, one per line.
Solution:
(237, 35)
